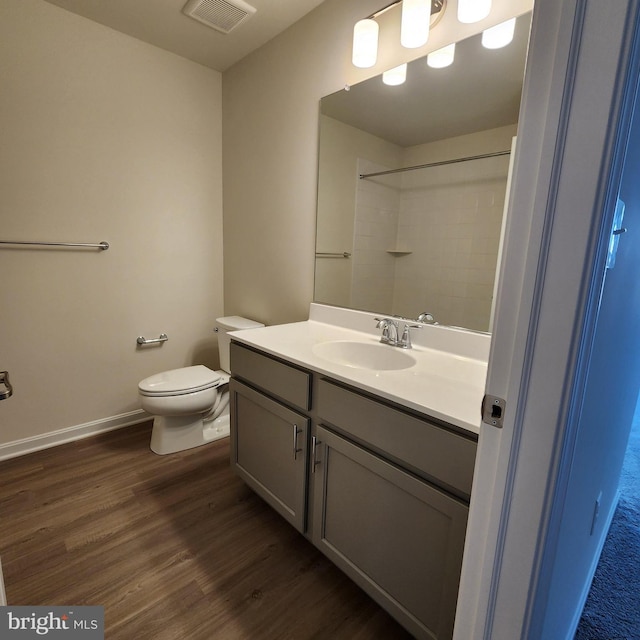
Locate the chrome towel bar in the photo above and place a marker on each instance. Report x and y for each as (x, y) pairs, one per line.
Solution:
(89, 245)
(162, 338)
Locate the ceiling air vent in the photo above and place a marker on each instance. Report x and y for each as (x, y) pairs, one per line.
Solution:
(221, 15)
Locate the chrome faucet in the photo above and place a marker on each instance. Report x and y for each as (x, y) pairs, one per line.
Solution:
(390, 332)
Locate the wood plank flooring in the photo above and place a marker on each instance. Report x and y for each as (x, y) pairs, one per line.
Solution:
(173, 547)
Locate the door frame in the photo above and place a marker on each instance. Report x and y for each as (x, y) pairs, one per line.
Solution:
(580, 82)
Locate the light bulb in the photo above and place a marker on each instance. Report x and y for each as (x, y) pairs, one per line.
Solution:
(442, 57)
(414, 28)
(473, 10)
(365, 43)
(395, 76)
(500, 35)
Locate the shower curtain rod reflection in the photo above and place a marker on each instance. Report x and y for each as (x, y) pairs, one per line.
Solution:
(435, 164)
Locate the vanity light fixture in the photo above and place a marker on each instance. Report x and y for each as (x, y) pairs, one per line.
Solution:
(442, 57)
(395, 76)
(473, 10)
(417, 17)
(365, 43)
(414, 27)
(500, 35)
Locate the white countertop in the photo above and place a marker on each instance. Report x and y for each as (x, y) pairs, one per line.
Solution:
(447, 382)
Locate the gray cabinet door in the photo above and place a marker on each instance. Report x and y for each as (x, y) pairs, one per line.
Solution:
(269, 450)
(395, 535)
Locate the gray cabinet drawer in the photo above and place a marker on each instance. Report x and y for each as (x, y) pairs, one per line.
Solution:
(289, 383)
(396, 536)
(437, 454)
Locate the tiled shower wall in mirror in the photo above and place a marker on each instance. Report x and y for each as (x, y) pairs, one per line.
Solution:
(427, 240)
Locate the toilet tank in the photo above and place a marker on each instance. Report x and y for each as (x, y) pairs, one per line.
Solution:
(223, 326)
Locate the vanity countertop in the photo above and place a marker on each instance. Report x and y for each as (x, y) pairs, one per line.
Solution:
(442, 384)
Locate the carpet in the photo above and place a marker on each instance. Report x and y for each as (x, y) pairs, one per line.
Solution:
(612, 610)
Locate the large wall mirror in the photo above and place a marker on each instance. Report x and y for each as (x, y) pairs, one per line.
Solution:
(412, 184)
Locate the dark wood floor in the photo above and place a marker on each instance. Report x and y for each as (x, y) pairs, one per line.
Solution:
(173, 547)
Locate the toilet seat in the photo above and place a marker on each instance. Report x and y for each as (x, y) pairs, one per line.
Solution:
(178, 382)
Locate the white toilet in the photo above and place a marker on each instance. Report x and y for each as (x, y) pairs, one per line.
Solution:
(191, 405)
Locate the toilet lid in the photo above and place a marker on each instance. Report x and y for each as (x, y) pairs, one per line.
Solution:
(179, 381)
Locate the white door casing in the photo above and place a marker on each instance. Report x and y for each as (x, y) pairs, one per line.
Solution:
(575, 111)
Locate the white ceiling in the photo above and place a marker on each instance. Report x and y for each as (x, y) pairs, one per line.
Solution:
(162, 23)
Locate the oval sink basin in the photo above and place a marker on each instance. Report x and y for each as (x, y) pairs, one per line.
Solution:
(364, 355)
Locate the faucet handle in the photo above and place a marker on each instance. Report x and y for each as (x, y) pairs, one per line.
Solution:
(405, 341)
(383, 323)
(389, 330)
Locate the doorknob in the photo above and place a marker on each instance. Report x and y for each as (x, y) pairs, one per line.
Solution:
(6, 390)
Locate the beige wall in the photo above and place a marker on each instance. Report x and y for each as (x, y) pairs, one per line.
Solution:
(270, 143)
(102, 138)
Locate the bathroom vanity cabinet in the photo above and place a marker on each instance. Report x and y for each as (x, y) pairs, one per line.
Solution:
(381, 491)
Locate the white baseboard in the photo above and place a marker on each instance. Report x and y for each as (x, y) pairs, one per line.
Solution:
(77, 432)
